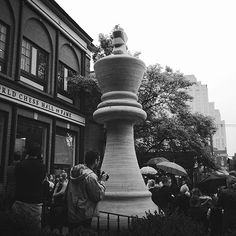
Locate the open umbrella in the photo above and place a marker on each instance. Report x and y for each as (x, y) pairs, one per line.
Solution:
(222, 172)
(211, 183)
(172, 168)
(154, 161)
(148, 170)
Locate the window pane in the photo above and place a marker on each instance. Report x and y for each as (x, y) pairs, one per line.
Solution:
(2, 50)
(28, 133)
(27, 45)
(3, 37)
(42, 65)
(65, 149)
(65, 78)
(25, 56)
(71, 73)
(2, 54)
(23, 51)
(33, 61)
(64, 73)
(60, 76)
(24, 43)
(3, 31)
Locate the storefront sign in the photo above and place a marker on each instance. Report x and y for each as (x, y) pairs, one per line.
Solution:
(26, 100)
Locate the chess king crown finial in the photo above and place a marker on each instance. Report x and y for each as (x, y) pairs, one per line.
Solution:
(119, 41)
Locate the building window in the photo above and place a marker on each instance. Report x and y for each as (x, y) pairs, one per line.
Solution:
(34, 62)
(3, 47)
(64, 149)
(30, 132)
(64, 72)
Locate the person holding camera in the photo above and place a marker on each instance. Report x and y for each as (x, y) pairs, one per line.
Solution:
(85, 190)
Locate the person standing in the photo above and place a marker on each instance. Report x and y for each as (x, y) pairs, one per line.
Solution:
(165, 197)
(85, 190)
(30, 174)
(227, 200)
(58, 207)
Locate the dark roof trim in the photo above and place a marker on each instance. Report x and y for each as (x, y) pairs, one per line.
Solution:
(55, 7)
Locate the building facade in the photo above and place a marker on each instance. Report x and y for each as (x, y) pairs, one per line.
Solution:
(201, 104)
(40, 47)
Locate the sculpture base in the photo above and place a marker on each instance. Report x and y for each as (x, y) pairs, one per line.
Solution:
(122, 210)
(130, 206)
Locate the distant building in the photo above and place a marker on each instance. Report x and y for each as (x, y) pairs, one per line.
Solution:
(201, 104)
(40, 47)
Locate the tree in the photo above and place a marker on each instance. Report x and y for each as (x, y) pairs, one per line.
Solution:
(170, 126)
(105, 47)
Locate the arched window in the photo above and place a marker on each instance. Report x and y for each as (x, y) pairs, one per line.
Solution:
(68, 67)
(7, 25)
(35, 55)
(34, 61)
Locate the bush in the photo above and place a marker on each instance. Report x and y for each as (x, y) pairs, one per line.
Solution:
(169, 225)
(150, 225)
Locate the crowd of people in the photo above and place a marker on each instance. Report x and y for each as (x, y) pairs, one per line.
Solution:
(215, 211)
(68, 199)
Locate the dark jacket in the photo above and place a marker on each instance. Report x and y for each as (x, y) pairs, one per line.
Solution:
(84, 192)
(30, 174)
(164, 198)
(227, 200)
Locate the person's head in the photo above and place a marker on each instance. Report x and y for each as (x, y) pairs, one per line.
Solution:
(151, 183)
(166, 181)
(51, 177)
(184, 190)
(196, 192)
(231, 181)
(92, 159)
(63, 176)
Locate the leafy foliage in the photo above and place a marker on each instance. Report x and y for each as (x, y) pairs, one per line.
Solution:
(105, 48)
(163, 92)
(170, 126)
(168, 225)
(86, 88)
(152, 224)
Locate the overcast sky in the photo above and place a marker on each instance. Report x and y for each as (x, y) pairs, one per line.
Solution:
(194, 36)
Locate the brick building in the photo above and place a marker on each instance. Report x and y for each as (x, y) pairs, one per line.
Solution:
(40, 46)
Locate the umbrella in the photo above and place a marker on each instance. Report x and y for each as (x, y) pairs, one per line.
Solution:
(222, 172)
(148, 170)
(233, 173)
(172, 168)
(212, 182)
(154, 161)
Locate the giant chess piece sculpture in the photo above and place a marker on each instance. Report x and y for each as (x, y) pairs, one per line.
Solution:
(119, 77)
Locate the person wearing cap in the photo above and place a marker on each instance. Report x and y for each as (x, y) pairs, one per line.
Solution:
(30, 174)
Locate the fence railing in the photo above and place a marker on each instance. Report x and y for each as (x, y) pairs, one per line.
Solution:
(113, 221)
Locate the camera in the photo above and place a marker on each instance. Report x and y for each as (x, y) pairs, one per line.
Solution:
(104, 173)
